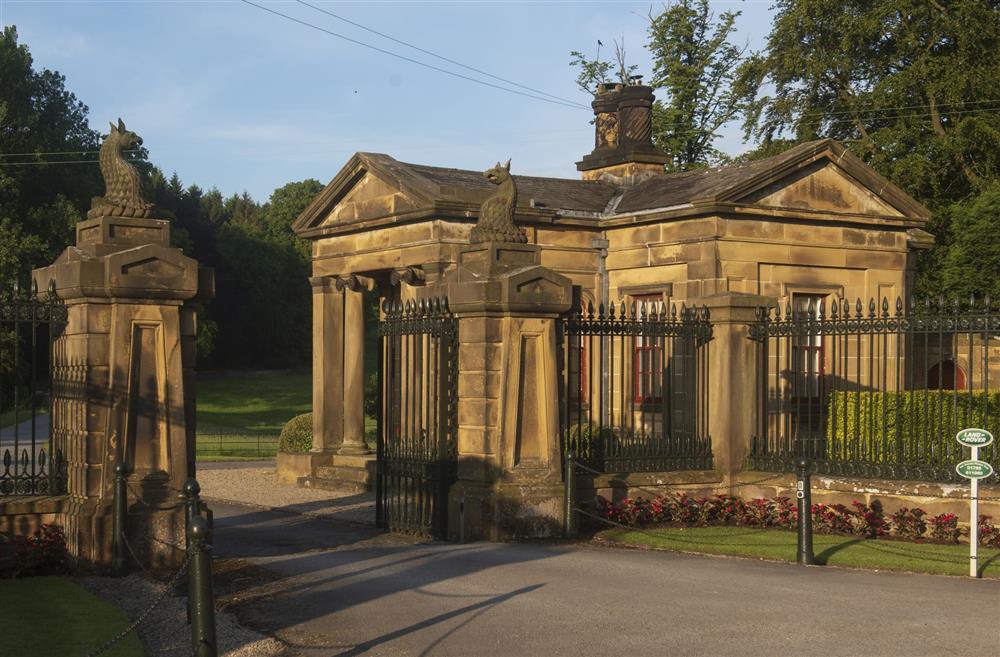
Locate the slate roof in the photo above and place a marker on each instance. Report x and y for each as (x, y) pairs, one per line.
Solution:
(729, 184)
(557, 193)
(662, 191)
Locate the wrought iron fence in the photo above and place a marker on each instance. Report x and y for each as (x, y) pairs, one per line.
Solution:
(634, 393)
(33, 461)
(417, 447)
(875, 390)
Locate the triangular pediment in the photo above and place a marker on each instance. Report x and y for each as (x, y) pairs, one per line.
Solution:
(826, 178)
(371, 186)
(821, 186)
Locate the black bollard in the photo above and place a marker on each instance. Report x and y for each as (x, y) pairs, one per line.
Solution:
(569, 517)
(192, 503)
(804, 496)
(192, 509)
(119, 512)
(200, 596)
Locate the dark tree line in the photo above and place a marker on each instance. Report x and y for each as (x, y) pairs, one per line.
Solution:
(261, 316)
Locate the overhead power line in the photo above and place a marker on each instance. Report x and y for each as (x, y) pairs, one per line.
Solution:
(434, 54)
(411, 60)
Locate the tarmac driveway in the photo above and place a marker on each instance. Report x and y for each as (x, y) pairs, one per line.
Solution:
(329, 588)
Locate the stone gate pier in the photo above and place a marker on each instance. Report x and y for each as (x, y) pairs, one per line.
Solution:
(124, 369)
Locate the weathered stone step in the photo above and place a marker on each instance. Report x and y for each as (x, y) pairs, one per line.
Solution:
(342, 473)
(335, 485)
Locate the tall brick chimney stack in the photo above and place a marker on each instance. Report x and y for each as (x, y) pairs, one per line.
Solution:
(623, 153)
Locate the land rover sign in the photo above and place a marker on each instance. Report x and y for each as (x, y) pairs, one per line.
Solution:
(974, 469)
(974, 438)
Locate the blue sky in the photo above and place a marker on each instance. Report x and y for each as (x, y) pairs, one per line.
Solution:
(230, 96)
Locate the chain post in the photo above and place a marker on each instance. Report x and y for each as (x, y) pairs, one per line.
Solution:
(200, 596)
(803, 493)
(119, 512)
(569, 516)
(192, 509)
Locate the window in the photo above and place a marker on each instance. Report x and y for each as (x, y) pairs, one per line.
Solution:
(647, 356)
(807, 349)
(577, 366)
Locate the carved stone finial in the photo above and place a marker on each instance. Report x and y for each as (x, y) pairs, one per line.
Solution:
(123, 196)
(496, 215)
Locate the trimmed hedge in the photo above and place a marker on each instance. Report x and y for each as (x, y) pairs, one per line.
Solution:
(587, 440)
(916, 423)
(297, 434)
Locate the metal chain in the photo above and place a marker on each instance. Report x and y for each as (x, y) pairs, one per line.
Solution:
(168, 589)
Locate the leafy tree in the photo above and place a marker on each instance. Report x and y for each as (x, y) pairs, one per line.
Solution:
(39, 197)
(695, 64)
(972, 264)
(284, 207)
(905, 83)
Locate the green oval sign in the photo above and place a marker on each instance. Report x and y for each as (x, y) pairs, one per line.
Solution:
(974, 437)
(974, 469)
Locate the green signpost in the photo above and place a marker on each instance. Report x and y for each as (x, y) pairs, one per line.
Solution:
(974, 470)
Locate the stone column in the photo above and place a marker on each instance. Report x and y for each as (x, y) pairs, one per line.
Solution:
(509, 465)
(328, 374)
(354, 365)
(124, 387)
(732, 378)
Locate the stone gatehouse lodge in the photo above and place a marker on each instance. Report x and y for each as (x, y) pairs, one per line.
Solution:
(809, 226)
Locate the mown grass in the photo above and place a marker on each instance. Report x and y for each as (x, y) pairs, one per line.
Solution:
(240, 414)
(251, 402)
(46, 616)
(846, 551)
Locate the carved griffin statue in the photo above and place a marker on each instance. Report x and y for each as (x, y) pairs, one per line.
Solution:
(123, 196)
(496, 215)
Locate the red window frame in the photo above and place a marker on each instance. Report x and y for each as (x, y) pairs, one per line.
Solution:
(807, 350)
(647, 379)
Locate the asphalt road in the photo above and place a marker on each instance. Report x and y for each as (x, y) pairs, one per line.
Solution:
(341, 590)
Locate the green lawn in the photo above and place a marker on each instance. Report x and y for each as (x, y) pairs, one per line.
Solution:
(240, 414)
(848, 551)
(46, 616)
(251, 402)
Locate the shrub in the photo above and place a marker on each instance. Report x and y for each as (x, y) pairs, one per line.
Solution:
(909, 523)
(586, 440)
(832, 519)
(297, 434)
(42, 553)
(869, 520)
(862, 424)
(989, 534)
(944, 527)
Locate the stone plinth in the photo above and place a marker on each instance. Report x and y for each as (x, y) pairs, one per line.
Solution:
(509, 478)
(124, 382)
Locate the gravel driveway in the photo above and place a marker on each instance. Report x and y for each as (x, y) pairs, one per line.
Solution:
(255, 484)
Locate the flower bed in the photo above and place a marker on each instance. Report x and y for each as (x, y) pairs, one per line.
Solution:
(859, 519)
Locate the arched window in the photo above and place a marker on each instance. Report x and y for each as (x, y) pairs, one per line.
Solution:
(946, 375)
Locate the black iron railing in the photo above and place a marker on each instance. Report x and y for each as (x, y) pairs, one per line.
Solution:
(31, 454)
(417, 449)
(634, 387)
(877, 389)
